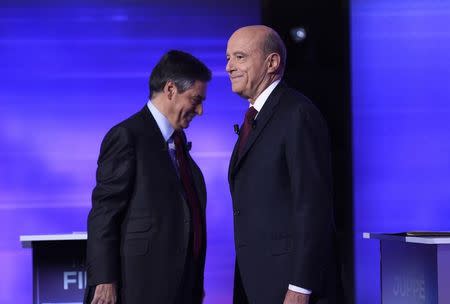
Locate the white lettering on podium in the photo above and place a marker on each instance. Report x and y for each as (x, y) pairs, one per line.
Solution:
(405, 286)
(77, 278)
(68, 278)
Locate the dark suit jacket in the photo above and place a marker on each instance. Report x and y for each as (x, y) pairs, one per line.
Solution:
(139, 225)
(282, 200)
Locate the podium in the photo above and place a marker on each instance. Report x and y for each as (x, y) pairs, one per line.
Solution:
(415, 267)
(58, 267)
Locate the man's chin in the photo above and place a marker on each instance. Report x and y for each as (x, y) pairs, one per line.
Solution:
(240, 93)
(236, 89)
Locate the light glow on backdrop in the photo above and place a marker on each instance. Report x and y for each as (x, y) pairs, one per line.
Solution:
(70, 70)
(401, 119)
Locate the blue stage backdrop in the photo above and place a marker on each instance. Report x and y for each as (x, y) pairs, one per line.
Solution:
(401, 117)
(70, 70)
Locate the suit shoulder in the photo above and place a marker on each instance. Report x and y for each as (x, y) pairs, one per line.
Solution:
(131, 122)
(129, 126)
(122, 134)
(298, 104)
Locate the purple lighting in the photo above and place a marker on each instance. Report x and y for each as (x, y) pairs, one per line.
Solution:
(73, 69)
(400, 72)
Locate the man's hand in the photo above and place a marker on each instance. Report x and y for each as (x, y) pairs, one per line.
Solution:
(293, 297)
(105, 294)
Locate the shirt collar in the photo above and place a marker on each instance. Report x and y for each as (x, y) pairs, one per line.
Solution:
(262, 98)
(163, 123)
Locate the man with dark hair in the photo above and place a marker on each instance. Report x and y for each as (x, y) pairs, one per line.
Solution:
(146, 229)
(280, 181)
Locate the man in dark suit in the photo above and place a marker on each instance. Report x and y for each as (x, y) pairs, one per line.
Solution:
(280, 181)
(146, 229)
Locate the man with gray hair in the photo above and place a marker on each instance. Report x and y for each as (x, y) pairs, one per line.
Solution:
(280, 181)
(146, 229)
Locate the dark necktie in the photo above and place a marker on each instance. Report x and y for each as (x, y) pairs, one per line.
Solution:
(189, 188)
(246, 129)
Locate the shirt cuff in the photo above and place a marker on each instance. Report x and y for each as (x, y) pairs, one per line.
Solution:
(299, 289)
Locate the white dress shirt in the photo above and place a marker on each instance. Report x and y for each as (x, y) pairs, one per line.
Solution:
(163, 123)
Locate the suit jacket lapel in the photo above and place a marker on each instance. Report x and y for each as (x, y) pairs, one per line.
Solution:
(261, 121)
(233, 160)
(151, 129)
(154, 134)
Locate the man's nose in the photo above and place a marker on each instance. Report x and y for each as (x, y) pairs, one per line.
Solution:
(229, 66)
(199, 109)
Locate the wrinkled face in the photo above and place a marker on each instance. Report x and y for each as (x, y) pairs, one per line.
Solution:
(246, 64)
(185, 106)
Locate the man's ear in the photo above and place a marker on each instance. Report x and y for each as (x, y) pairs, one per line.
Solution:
(170, 89)
(274, 63)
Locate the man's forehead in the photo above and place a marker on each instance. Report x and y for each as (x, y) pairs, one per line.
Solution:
(251, 32)
(245, 40)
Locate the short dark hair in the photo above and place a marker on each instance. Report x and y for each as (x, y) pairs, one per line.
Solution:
(181, 68)
(274, 44)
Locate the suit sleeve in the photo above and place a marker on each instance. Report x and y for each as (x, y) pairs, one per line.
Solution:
(309, 167)
(110, 197)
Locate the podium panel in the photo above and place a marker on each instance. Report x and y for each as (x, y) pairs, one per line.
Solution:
(414, 269)
(409, 273)
(59, 275)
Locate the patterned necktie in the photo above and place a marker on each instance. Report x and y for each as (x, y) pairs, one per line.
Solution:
(172, 153)
(189, 188)
(246, 128)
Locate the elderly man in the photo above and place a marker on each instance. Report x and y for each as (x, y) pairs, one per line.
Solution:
(146, 230)
(280, 181)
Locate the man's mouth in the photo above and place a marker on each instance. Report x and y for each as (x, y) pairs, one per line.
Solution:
(235, 77)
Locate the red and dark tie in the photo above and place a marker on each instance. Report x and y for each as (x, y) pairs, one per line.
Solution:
(189, 188)
(246, 129)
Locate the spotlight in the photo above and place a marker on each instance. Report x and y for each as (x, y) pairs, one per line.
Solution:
(298, 34)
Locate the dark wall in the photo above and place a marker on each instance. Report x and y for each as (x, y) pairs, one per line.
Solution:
(319, 66)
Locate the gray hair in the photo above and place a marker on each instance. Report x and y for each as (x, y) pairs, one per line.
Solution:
(274, 44)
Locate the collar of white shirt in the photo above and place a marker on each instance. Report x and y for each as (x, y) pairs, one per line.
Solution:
(262, 98)
(162, 121)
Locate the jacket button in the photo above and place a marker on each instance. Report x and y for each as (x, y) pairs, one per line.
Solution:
(236, 212)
